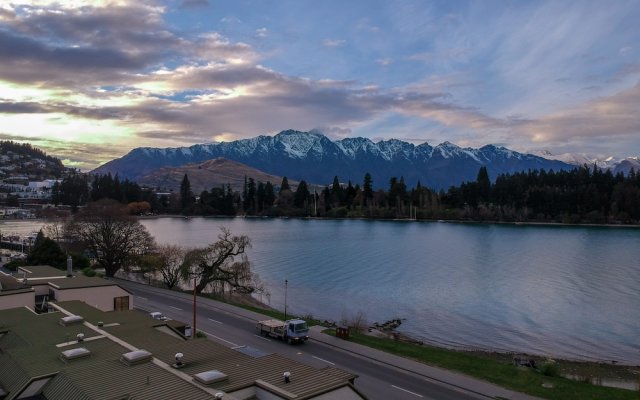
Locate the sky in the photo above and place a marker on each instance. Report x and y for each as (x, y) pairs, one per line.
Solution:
(89, 80)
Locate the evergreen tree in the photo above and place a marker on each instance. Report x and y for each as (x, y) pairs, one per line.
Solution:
(186, 196)
(269, 195)
(367, 188)
(484, 184)
(260, 197)
(284, 185)
(302, 195)
(46, 251)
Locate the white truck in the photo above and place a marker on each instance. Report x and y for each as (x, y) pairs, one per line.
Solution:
(290, 331)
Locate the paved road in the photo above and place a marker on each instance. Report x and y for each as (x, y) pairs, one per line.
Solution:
(379, 377)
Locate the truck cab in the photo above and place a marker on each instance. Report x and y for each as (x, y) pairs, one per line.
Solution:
(297, 330)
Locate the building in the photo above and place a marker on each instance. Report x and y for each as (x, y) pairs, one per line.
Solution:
(35, 286)
(82, 353)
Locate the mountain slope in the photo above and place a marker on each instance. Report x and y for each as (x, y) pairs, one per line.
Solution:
(616, 165)
(206, 175)
(313, 157)
(25, 160)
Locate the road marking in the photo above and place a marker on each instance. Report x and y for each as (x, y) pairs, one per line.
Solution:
(261, 337)
(408, 391)
(323, 360)
(213, 320)
(142, 298)
(176, 308)
(219, 338)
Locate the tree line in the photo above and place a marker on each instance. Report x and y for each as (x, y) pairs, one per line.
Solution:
(581, 195)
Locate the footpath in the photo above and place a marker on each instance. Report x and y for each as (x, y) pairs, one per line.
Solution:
(450, 378)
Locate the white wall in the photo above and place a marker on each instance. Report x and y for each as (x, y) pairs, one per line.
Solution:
(98, 297)
(17, 300)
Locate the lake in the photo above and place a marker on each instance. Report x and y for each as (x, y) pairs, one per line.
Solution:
(562, 291)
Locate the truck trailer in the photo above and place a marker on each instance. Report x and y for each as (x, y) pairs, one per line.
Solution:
(290, 331)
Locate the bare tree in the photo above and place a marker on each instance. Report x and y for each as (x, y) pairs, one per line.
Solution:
(56, 226)
(171, 259)
(111, 234)
(222, 265)
(359, 322)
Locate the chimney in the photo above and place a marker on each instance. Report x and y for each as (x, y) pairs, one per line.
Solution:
(69, 267)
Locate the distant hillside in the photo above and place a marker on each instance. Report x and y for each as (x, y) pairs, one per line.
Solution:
(207, 175)
(18, 159)
(315, 158)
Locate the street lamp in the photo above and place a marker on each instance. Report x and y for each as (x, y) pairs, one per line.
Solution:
(286, 282)
(193, 330)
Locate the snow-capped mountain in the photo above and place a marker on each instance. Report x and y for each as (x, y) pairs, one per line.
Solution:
(614, 164)
(315, 158)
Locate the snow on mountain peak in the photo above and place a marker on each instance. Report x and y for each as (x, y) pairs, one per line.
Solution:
(298, 144)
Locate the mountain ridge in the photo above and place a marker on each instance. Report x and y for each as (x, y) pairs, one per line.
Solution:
(315, 158)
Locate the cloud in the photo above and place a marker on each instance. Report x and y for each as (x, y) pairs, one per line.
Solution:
(625, 50)
(332, 43)
(124, 75)
(262, 32)
(603, 118)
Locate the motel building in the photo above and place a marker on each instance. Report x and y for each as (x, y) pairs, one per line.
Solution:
(71, 337)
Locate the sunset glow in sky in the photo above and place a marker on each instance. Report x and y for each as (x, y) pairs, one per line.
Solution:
(87, 81)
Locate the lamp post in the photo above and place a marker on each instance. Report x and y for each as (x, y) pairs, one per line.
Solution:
(286, 282)
(193, 331)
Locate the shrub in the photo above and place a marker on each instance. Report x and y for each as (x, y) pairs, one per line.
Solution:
(88, 271)
(14, 264)
(550, 368)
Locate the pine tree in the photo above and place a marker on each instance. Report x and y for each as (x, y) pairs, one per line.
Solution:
(186, 197)
(484, 184)
(284, 185)
(367, 188)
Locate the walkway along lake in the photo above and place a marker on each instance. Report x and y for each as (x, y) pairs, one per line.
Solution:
(563, 291)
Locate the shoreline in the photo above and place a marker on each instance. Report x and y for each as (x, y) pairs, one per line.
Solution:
(448, 221)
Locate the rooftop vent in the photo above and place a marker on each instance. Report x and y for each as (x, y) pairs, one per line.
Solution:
(179, 363)
(75, 353)
(209, 377)
(136, 357)
(70, 320)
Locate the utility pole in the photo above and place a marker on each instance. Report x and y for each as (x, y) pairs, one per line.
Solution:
(193, 330)
(286, 282)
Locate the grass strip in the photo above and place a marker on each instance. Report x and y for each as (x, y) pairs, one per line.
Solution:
(503, 374)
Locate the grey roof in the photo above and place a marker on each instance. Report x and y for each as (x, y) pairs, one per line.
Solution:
(10, 285)
(29, 350)
(80, 281)
(41, 271)
(8, 282)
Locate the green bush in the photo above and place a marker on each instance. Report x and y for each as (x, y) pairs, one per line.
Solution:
(201, 334)
(14, 264)
(80, 261)
(88, 271)
(550, 368)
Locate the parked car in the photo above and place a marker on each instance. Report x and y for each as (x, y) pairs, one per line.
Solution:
(158, 315)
